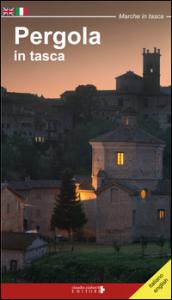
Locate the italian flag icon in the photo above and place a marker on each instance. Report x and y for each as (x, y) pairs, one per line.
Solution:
(21, 11)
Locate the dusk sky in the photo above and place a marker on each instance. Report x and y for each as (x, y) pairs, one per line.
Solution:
(120, 49)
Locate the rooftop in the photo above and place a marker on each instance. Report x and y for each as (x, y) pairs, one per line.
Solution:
(128, 134)
(7, 186)
(17, 240)
(130, 74)
(84, 182)
(35, 184)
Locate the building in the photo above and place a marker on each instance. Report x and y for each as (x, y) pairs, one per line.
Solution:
(40, 198)
(41, 120)
(34, 118)
(143, 94)
(132, 199)
(124, 198)
(20, 249)
(12, 209)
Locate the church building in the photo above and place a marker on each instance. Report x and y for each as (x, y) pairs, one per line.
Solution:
(132, 199)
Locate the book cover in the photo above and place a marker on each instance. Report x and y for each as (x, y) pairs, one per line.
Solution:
(86, 149)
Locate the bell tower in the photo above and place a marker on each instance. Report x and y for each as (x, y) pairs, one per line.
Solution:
(151, 71)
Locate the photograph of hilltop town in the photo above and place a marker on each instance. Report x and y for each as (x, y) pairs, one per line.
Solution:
(86, 180)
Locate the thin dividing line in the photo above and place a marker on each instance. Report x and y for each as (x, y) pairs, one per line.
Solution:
(60, 17)
(69, 17)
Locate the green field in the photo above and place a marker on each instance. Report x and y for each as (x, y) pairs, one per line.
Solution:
(94, 263)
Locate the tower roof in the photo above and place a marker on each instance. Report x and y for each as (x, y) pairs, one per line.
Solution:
(128, 134)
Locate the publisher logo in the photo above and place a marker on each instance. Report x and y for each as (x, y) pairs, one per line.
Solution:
(102, 289)
(90, 289)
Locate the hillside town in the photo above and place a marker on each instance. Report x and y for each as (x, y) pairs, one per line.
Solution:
(124, 194)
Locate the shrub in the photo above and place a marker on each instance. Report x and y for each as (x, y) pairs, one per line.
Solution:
(161, 242)
(143, 243)
(116, 247)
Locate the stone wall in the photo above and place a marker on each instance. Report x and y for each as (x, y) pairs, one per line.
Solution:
(140, 161)
(114, 216)
(8, 255)
(40, 204)
(11, 211)
(147, 221)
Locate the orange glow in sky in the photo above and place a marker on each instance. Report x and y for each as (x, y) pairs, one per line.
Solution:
(120, 49)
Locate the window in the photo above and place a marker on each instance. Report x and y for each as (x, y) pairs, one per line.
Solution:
(13, 265)
(143, 194)
(111, 195)
(161, 214)
(39, 139)
(18, 204)
(37, 228)
(126, 121)
(25, 224)
(38, 212)
(26, 125)
(120, 158)
(133, 216)
(146, 102)
(120, 102)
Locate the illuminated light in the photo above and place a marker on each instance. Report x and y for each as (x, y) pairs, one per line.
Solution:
(86, 195)
(120, 158)
(39, 139)
(126, 121)
(161, 214)
(143, 194)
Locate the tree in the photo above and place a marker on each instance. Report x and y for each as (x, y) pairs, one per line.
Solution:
(81, 103)
(19, 158)
(68, 214)
(77, 151)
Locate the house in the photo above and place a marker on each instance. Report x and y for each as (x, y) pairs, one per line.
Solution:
(40, 198)
(12, 209)
(20, 249)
